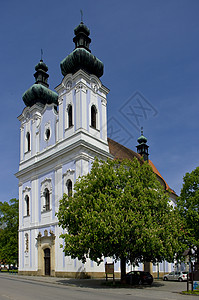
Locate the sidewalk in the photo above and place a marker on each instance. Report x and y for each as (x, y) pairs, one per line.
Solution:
(91, 283)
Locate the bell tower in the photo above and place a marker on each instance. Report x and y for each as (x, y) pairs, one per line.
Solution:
(82, 96)
(142, 148)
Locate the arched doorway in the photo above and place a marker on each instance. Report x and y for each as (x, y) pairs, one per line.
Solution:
(46, 253)
(47, 261)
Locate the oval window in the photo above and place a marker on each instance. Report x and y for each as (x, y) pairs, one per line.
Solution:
(47, 134)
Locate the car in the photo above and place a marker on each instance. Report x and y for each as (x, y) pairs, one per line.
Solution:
(176, 275)
(138, 277)
(13, 268)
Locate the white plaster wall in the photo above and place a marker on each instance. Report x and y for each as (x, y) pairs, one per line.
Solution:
(75, 146)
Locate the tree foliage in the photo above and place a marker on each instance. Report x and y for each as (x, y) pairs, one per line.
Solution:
(188, 205)
(120, 209)
(9, 222)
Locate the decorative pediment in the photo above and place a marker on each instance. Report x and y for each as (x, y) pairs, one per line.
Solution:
(46, 183)
(69, 172)
(68, 85)
(80, 86)
(50, 238)
(27, 189)
(94, 86)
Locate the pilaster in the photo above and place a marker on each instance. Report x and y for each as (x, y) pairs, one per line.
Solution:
(58, 186)
(61, 118)
(21, 142)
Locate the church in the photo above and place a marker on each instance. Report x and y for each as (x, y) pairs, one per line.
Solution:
(60, 135)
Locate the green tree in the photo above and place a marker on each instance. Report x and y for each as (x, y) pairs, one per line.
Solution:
(188, 206)
(120, 210)
(9, 222)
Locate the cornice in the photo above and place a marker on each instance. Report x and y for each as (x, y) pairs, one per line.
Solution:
(52, 157)
(76, 78)
(35, 109)
(38, 226)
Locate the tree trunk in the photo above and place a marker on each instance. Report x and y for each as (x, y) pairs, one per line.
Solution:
(123, 269)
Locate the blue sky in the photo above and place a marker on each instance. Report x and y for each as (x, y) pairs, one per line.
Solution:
(150, 50)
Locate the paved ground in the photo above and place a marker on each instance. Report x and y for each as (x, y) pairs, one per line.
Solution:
(16, 287)
(98, 283)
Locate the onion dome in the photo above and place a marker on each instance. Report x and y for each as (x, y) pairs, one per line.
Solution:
(81, 57)
(39, 92)
(142, 138)
(142, 148)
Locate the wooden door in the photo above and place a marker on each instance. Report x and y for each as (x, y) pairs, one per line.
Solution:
(47, 261)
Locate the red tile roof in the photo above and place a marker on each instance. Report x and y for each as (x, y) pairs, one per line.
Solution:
(158, 173)
(121, 152)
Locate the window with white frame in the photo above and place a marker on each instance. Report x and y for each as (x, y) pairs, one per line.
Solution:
(47, 199)
(46, 195)
(93, 116)
(28, 141)
(27, 202)
(69, 116)
(69, 187)
(26, 199)
(68, 178)
(47, 132)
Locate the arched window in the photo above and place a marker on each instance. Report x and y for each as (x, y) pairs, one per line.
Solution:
(28, 140)
(69, 187)
(70, 116)
(47, 199)
(93, 116)
(27, 205)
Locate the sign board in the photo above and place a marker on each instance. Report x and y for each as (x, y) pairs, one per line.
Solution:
(109, 269)
(196, 285)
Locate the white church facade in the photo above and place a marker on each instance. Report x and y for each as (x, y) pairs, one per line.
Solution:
(60, 135)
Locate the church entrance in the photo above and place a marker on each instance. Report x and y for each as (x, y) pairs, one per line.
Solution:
(46, 253)
(47, 261)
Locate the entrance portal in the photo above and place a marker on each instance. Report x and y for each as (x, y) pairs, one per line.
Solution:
(47, 261)
(46, 253)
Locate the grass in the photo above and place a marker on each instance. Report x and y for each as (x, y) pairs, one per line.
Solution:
(7, 271)
(190, 293)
